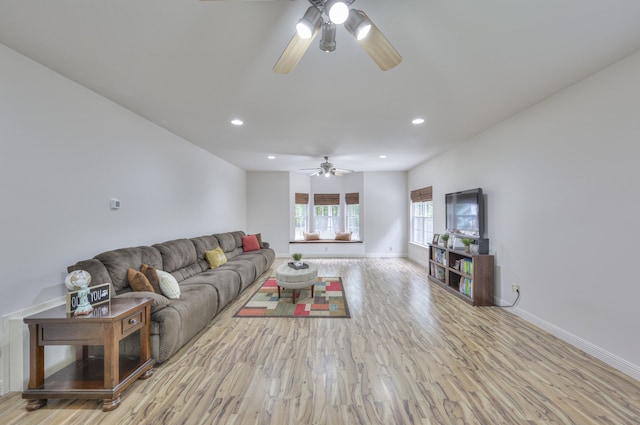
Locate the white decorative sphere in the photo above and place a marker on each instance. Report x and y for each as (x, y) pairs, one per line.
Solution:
(77, 279)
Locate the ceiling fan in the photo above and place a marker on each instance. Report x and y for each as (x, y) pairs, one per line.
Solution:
(323, 16)
(327, 169)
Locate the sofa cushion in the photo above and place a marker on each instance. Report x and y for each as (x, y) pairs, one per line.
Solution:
(176, 254)
(246, 269)
(250, 243)
(118, 262)
(203, 244)
(227, 242)
(179, 258)
(215, 258)
(169, 285)
(152, 275)
(198, 304)
(237, 235)
(225, 281)
(138, 281)
(259, 261)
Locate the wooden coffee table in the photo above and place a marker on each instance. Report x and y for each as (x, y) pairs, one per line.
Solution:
(290, 278)
(103, 377)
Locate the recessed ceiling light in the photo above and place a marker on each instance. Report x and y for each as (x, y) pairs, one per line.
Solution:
(417, 121)
(271, 157)
(236, 122)
(382, 156)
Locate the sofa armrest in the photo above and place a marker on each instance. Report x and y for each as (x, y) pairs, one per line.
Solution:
(159, 301)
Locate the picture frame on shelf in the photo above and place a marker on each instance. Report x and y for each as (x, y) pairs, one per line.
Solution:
(436, 239)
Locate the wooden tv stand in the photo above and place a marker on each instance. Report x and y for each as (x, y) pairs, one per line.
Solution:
(88, 377)
(468, 276)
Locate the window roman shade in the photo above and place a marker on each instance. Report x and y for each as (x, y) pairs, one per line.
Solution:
(326, 199)
(302, 198)
(352, 198)
(422, 195)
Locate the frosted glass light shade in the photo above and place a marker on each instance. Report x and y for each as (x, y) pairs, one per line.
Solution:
(308, 23)
(357, 24)
(338, 11)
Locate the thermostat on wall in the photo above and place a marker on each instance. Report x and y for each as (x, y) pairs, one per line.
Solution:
(115, 204)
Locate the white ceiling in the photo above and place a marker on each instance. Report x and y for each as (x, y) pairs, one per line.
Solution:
(191, 66)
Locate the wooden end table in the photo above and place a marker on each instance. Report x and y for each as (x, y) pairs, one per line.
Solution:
(89, 377)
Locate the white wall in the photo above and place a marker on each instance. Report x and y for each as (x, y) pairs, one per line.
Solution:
(298, 183)
(386, 213)
(561, 180)
(269, 211)
(64, 152)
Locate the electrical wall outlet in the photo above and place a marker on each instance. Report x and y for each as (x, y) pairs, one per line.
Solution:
(515, 287)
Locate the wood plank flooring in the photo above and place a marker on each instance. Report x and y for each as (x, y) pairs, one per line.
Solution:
(410, 354)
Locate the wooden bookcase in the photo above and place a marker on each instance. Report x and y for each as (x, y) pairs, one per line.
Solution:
(468, 276)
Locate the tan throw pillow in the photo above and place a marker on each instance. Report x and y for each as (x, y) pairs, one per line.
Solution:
(215, 257)
(311, 236)
(152, 275)
(169, 285)
(343, 236)
(138, 281)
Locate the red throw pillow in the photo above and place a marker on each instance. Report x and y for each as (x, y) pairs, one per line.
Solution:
(250, 243)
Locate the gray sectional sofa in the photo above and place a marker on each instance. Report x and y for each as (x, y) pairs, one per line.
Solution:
(204, 291)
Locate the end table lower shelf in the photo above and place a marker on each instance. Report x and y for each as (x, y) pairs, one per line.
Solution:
(104, 377)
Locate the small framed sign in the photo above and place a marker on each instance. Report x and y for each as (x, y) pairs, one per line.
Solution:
(98, 294)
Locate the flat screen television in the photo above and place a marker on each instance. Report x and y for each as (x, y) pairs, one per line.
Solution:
(465, 213)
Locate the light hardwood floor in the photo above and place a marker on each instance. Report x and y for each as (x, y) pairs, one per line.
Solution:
(410, 354)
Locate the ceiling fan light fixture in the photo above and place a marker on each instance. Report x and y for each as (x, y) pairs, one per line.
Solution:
(328, 40)
(358, 24)
(309, 22)
(337, 10)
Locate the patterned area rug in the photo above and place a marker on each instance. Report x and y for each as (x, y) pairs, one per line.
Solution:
(329, 301)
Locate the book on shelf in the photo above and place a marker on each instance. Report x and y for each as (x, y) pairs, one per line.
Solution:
(466, 266)
(466, 286)
(440, 256)
(440, 273)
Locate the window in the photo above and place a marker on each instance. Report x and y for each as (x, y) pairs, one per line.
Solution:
(353, 220)
(327, 221)
(301, 213)
(422, 215)
(301, 220)
(326, 214)
(353, 214)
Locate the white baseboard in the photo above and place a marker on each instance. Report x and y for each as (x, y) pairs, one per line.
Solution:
(14, 353)
(347, 255)
(611, 359)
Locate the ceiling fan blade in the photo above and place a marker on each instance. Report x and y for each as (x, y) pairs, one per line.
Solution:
(293, 53)
(343, 170)
(379, 48)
